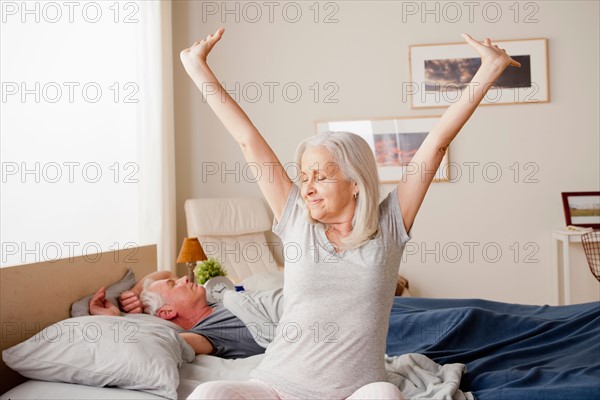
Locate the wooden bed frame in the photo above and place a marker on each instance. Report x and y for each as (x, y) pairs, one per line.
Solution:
(37, 295)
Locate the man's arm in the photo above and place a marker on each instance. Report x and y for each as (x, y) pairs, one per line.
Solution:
(199, 343)
(129, 300)
(99, 304)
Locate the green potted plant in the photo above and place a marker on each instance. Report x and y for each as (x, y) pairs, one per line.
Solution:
(208, 269)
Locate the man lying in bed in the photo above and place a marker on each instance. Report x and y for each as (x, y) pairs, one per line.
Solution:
(209, 329)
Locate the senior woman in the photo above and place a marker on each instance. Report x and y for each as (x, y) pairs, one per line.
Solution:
(339, 284)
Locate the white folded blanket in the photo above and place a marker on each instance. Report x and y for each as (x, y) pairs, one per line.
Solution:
(418, 377)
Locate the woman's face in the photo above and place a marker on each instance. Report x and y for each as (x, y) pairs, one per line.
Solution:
(329, 195)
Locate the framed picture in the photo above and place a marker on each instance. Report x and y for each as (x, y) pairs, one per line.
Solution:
(440, 73)
(394, 142)
(582, 208)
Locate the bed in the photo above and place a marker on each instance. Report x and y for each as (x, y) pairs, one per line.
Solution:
(510, 351)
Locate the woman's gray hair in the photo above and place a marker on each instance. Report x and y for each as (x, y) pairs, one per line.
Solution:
(152, 301)
(356, 162)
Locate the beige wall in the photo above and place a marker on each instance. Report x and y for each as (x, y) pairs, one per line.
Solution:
(365, 56)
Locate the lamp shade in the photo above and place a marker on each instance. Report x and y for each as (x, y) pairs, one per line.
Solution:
(191, 251)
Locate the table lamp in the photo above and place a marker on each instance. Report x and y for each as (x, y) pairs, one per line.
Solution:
(191, 252)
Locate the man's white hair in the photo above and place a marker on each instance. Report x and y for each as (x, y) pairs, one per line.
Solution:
(152, 301)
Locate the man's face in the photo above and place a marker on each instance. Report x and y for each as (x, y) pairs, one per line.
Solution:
(181, 294)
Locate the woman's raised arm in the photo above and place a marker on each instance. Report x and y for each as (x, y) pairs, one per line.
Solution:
(412, 188)
(273, 180)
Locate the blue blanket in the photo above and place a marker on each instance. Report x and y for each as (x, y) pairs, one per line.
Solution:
(511, 351)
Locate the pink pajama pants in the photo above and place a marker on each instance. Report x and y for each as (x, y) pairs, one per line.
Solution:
(255, 389)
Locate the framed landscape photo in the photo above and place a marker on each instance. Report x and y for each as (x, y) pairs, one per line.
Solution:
(394, 142)
(582, 208)
(439, 73)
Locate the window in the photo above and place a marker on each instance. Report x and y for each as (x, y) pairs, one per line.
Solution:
(71, 91)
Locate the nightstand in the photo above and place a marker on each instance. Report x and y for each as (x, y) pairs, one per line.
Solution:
(561, 240)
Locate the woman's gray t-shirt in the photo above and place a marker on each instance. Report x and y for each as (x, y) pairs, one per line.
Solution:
(330, 340)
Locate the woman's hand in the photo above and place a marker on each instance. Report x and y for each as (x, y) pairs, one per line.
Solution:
(99, 305)
(199, 51)
(130, 302)
(489, 53)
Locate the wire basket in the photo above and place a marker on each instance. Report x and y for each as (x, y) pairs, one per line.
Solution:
(591, 246)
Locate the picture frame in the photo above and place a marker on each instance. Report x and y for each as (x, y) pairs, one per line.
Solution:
(440, 72)
(582, 209)
(394, 142)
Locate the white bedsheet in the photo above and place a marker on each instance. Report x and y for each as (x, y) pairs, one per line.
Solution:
(209, 368)
(417, 376)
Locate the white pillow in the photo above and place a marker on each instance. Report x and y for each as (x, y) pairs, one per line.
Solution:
(104, 351)
(270, 280)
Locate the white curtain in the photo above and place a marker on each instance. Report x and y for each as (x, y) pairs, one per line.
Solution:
(156, 143)
(83, 175)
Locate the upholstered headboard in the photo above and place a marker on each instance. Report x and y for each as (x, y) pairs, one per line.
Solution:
(236, 231)
(37, 295)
